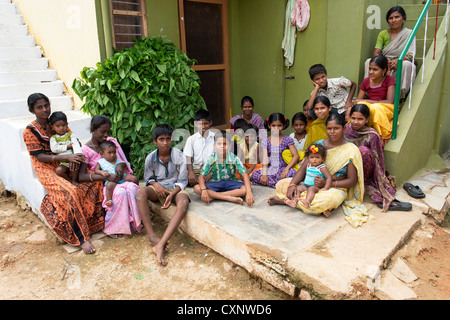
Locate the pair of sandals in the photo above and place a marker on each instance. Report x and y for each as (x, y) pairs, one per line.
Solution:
(413, 191)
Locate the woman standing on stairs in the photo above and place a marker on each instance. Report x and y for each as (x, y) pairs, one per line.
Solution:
(73, 212)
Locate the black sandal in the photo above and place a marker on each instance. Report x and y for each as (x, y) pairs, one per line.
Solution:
(413, 191)
(397, 206)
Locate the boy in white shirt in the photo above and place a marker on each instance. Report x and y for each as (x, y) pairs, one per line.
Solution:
(199, 146)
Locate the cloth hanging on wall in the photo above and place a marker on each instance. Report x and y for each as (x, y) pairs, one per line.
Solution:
(296, 19)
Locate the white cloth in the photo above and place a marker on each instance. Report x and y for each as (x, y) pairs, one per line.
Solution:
(199, 148)
(61, 147)
(299, 144)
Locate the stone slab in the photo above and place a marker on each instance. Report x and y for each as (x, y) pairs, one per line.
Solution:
(292, 250)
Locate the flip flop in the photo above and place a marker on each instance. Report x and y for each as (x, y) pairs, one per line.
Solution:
(413, 191)
(397, 206)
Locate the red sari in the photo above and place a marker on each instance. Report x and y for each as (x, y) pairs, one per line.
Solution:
(65, 203)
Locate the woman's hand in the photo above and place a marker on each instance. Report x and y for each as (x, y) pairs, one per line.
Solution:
(75, 160)
(291, 192)
(393, 64)
(284, 173)
(120, 169)
(264, 180)
(319, 182)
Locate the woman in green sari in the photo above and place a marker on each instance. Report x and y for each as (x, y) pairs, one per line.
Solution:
(345, 165)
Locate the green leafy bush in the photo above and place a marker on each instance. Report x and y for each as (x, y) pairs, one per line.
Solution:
(138, 88)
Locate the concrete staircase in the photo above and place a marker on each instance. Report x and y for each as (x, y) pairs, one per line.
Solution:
(23, 71)
(413, 12)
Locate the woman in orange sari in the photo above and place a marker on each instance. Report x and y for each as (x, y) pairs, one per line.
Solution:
(73, 212)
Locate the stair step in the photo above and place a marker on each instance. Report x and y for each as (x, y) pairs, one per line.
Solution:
(421, 31)
(11, 19)
(19, 107)
(19, 30)
(78, 121)
(23, 90)
(28, 76)
(413, 10)
(20, 52)
(17, 41)
(8, 8)
(11, 65)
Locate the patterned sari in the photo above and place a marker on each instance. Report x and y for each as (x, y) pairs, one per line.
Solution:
(351, 199)
(123, 217)
(65, 203)
(380, 186)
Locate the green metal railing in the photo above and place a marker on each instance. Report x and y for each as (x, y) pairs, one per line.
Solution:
(400, 68)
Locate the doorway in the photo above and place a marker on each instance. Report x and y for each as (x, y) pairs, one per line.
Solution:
(204, 37)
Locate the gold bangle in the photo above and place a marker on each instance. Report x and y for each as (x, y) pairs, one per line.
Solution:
(292, 185)
(53, 158)
(90, 176)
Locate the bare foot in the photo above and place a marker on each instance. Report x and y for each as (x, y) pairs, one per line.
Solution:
(88, 248)
(154, 240)
(109, 203)
(75, 183)
(159, 251)
(114, 236)
(304, 202)
(326, 213)
(290, 203)
(273, 200)
(237, 200)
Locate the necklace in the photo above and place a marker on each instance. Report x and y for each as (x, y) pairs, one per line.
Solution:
(91, 145)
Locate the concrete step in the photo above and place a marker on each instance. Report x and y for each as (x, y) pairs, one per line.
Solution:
(28, 76)
(8, 8)
(16, 171)
(20, 52)
(11, 19)
(19, 30)
(19, 108)
(413, 10)
(12, 65)
(430, 28)
(17, 41)
(22, 91)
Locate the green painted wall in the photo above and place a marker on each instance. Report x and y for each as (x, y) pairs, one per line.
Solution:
(162, 19)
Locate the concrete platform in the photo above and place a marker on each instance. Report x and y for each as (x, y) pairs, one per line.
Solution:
(293, 251)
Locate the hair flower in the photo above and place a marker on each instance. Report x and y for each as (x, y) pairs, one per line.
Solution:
(313, 149)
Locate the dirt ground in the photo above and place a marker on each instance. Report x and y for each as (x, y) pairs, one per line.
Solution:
(35, 266)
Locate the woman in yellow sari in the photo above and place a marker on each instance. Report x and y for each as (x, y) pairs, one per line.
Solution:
(317, 130)
(345, 165)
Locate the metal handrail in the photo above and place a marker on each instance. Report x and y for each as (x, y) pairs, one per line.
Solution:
(400, 67)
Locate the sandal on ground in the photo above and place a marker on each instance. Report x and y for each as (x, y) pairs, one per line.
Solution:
(397, 206)
(413, 191)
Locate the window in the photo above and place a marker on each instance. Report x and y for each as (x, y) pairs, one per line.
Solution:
(129, 22)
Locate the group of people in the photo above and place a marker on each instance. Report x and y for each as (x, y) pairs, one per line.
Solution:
(334, 153)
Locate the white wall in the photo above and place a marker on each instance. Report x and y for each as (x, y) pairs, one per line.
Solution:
(67, 32)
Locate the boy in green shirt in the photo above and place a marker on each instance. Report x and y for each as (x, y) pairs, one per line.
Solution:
(224, 185)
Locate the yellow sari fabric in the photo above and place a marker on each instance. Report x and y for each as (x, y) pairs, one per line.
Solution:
(381, 118)
(351, 199)
(317, 131)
